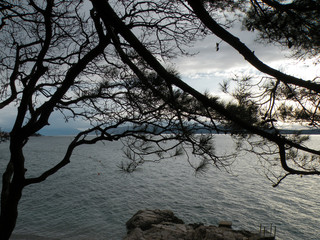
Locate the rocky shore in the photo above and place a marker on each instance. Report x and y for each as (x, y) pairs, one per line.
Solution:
(164, 225)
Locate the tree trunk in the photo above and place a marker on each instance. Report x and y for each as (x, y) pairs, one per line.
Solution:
(9, 209)
(13, 182)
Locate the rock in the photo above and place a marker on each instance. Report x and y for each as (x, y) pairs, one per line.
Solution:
(164, 225)
(226, 224)
(144, 219)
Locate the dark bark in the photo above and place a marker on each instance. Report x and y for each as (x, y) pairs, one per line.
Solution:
(13, 181)
(9, 208)
(14, 177)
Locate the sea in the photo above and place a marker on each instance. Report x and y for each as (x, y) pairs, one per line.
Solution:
(92, 199)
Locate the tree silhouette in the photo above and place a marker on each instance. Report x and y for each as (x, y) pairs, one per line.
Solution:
(103, 64)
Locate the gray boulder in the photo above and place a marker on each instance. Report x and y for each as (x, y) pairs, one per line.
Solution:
(144, 219)
(164, 225)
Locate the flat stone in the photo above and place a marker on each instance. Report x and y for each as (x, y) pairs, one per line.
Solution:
(226, 224)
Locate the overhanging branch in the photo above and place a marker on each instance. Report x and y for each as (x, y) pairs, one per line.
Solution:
(110, 18)
(235, 42)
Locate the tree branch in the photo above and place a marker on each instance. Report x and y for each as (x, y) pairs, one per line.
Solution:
(110, 18)
(235, 42)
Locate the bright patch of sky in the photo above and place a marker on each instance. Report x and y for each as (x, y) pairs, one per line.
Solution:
(209, 67)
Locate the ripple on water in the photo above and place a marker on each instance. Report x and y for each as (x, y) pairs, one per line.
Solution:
(91, 199)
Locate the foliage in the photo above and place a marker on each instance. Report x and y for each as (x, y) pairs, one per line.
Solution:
(294, 24)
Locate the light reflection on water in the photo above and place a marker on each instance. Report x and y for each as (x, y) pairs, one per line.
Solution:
(91, 199)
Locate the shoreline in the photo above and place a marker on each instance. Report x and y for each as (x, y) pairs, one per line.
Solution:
(163, 224)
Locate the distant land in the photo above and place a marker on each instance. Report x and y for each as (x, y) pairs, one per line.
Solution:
(59, 131)
(73, 131)
(301, 131)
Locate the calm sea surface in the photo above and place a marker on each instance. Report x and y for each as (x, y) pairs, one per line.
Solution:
(91, 199)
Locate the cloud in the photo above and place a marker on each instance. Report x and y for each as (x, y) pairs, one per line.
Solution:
(209, 67)
(209, 60)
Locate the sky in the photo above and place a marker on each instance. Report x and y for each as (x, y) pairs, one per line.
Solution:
(204, 72)
(210, 67)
